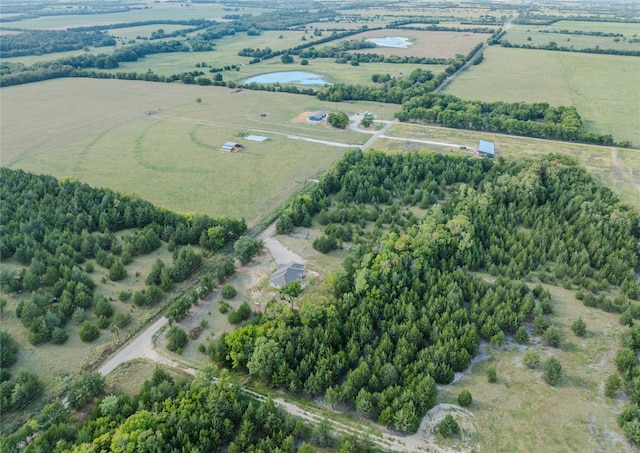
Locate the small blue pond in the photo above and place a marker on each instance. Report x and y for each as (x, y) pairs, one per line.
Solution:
(294, 77)
(391, 41)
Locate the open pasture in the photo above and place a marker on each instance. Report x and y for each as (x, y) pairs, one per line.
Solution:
(434, 44)
(157, 11)
(604, 88)
(535, 35)
(158, 142)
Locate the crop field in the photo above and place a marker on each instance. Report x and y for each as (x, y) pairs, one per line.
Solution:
(434, 44)
(158, 142)
(604, 88)
(520, 412)
(536, 36)
(618, 169)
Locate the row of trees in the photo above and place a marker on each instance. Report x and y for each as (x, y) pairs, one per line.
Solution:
(39, 42)
(538, 120)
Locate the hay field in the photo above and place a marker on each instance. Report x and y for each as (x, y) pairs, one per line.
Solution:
(434, 44)
(604, 88)
(616, 168)
(155, 140)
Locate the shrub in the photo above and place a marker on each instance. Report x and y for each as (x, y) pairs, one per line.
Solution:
(89, 332)
(228, 291)
(492, 374)
(8, 350)
(579, 327)
(124, 295)
(122, 320)
(531, 358)
(522, 336)
(59, 335)
(103, 322)
(117, 271)
(177, 339)
(464, 398)
(103, 308)
(552, 370)
(224, 307)
(448, 426)
(612, 385)
(243, 312)
(553, 336)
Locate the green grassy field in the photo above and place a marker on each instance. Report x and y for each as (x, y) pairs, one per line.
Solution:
(627, 29)
(158, 11)
(604, 88)
(172, 157)
(520, 35)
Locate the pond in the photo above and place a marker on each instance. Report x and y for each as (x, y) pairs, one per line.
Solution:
(391, 41)
(294, 77)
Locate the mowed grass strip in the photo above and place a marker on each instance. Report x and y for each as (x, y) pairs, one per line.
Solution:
(618, 169)
(604, 88)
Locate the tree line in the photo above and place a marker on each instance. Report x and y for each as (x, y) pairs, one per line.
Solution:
(538, 120)
(39, 42)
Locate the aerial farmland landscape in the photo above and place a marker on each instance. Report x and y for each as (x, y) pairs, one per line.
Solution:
(330, 226)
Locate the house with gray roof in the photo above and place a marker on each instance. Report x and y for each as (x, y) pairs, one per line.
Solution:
(286, 274)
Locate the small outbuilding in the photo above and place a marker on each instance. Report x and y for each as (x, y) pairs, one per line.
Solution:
(486, 149)
(230, 147)
(318, 116)
(286, 274)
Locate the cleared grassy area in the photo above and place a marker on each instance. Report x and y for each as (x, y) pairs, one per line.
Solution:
(535, 36)
(522, 413)
(618, 169)
(434, 44)
(604, 88)
(155, 140)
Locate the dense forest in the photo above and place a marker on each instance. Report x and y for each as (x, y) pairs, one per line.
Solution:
(406, 310)
(203, 415)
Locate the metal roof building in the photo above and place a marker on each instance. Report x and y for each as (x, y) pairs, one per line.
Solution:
(486, 149)
(230, 146)
(287, 273)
